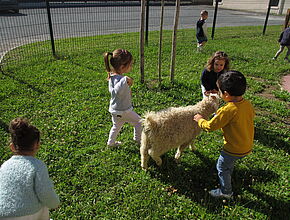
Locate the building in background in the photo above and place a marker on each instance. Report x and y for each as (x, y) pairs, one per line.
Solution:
(256, 5)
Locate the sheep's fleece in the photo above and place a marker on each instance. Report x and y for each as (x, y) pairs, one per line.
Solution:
(172, 128)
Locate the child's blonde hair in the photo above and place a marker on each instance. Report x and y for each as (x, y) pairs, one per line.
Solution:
(118, 58)
(219, 55)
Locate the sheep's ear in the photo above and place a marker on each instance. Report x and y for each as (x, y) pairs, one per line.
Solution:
(213, 95)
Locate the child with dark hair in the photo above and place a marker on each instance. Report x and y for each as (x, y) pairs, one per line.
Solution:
(201, 30)
(121, 107)
(216, 65)
(236, 119)
(26, 191)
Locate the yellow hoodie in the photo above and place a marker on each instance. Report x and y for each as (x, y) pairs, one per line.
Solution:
(236, 119)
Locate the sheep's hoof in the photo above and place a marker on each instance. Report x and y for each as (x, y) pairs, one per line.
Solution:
(177, 160)
(144, 167)
(192, 148)
(159, 163)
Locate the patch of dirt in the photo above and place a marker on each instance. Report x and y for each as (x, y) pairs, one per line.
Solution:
(267, 92)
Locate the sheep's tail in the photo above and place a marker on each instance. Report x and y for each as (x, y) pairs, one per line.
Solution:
(149, 123)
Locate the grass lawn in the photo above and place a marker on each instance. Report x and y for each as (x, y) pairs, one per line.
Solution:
(68, 98)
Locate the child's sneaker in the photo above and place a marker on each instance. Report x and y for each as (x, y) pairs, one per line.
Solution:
(274, 58)
(218, 194)
(116, 144)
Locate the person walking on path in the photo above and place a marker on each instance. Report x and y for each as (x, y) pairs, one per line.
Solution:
(284, 41)
(201, 30)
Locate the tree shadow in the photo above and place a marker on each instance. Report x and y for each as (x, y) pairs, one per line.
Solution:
(4, 126)
(270, 206)
(74, 61)
(194, 182)
(12, 75)
(272, 138)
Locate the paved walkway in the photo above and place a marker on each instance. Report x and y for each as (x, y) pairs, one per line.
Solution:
(286, 82)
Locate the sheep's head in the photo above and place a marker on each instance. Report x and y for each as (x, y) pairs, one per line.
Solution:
(212, 102)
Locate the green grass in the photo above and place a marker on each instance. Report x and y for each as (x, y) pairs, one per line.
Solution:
(67, 99)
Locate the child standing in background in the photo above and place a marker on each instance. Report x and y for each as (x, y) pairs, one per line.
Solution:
(216, 65)
(236, 119)
(26, 191)
(201, 30)
(284, 41)
(121, 106)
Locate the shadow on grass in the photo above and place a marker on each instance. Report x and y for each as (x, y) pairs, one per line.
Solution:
(194, 182)
(4, 126)
(12, 75)
(272, 138)
(268, 205)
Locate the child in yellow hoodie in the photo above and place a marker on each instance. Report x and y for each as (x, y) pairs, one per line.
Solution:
(236, 119)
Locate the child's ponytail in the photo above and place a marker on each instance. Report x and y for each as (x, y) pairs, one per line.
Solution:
(119, 58)
(107, 64)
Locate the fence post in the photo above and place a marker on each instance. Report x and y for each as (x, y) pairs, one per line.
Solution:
(173, 50)
(147, 22)
(160, 42)
(142, 40)
(50, 28)
(267, 16)
(214, 18)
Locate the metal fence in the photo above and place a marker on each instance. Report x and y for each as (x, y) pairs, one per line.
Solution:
(71, 20)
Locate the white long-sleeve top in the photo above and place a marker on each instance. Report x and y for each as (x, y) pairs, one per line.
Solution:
(121, 99)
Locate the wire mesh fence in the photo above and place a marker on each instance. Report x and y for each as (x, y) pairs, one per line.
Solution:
(80, 24)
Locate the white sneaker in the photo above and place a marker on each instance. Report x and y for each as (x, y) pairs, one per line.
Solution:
(218, 194)
(116, 144)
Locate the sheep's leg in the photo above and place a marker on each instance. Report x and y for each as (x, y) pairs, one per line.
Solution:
(179, 151)
(192, 147)
(144, 157)
(155, 157)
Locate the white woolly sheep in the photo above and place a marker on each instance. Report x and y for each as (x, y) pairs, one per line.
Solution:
(172, 128)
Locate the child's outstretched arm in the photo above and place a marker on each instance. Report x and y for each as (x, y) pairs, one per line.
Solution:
(220, 120)
(197, 117)
(280, 37)
(129, 81)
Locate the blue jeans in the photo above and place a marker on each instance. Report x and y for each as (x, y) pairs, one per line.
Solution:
(225, 166)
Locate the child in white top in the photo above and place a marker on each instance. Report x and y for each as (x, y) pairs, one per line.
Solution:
(216, 65)
(121, 107)
(26, 191)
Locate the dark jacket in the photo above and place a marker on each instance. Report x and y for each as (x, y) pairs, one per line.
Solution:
(284, 38)
(209, 78)
(199, 28)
